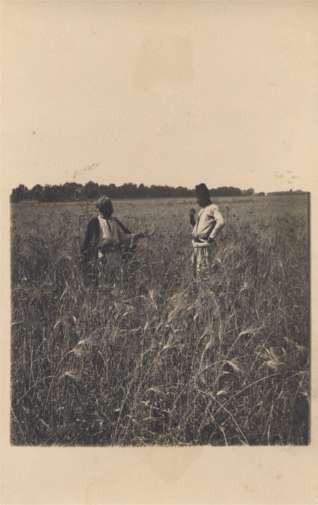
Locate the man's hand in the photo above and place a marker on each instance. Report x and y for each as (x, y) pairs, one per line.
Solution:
(134, 237)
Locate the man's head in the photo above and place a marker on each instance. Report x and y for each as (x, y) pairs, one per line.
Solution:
(105, 206)
(203, 195)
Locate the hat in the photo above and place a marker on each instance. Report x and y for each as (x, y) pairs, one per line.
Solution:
(104, 202)
(202, 191)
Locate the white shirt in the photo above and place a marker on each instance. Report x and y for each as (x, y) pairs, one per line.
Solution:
(110, 229)
(209, 221)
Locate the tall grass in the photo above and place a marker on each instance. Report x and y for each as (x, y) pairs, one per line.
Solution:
(153, 357)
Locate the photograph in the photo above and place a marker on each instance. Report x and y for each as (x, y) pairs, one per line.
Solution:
(159, 225)
(169, 324)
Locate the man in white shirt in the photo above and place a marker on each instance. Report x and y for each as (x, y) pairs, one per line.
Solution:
(206, 226)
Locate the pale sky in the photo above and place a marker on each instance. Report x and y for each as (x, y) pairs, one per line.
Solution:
(173, 93)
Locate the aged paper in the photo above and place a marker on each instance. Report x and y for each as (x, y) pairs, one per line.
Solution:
(183, 35)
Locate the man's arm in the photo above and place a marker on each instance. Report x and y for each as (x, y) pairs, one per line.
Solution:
(91, 235)
(123, 227)
(130, 235)
(192, 217)
(219, 223)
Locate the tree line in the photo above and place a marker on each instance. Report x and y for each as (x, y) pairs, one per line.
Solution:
(72, 191)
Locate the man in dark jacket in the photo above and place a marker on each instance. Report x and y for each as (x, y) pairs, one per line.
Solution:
(105, 235)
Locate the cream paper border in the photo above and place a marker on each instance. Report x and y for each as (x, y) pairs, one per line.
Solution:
(275, 475)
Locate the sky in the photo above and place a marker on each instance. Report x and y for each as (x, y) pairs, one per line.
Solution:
(173, 93)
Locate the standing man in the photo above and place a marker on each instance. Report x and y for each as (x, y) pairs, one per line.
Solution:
(206, 226)
(106, 235)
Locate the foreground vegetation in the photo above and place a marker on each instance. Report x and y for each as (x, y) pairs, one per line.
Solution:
(152, 357)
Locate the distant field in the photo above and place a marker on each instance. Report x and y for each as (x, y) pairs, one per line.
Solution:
(154, 357)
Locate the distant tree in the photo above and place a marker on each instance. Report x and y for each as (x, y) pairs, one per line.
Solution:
(78, 192)
(143, 191)
(289, 193)
(90, 190)
(36, 193)
(20, 193)
(248, 192)
(225, 191)
(129, 190)
(52, 193)
(70, 190)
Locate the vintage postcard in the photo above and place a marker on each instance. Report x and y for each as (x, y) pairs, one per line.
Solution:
(159, 257)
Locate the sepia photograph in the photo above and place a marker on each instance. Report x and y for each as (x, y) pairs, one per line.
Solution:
(145, 320)
(147, 311)
(159, 161)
